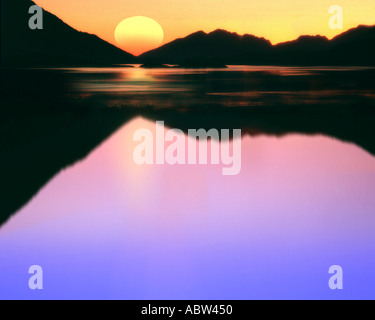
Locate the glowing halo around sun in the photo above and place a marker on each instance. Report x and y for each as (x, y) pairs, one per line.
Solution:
(137, 35)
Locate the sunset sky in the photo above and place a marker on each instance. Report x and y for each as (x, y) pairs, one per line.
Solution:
(273, 19)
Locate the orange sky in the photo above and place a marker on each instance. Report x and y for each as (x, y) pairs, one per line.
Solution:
(276, 20)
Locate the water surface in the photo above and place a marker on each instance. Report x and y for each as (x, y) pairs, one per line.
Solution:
(103, 227)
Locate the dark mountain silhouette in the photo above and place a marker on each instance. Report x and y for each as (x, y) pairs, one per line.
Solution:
(57, 44)
(305, 44)
(354, 47)
(216, 47)
(60, 45)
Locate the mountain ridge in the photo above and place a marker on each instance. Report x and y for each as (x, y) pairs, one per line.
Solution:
(57, 44)
(355, 46)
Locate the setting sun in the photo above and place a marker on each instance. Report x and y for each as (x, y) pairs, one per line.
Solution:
(137, 35)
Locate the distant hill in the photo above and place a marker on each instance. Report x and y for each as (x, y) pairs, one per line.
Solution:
(56, 45)
(215, 47)
(354, 47)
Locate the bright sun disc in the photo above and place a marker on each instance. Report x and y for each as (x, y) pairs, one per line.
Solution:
(137, 35)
